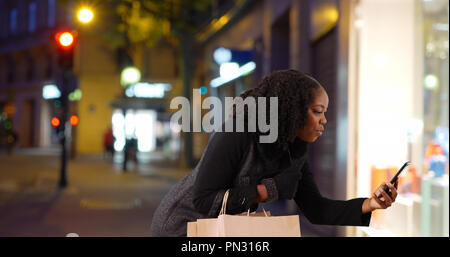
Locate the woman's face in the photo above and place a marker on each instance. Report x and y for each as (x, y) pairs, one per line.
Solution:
(315, 117)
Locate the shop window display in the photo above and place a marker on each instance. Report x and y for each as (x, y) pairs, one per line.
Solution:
(422, 207)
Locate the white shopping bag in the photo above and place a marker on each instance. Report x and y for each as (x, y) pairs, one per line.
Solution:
(245, 225)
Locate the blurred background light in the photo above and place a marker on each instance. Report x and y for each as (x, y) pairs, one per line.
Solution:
(243, 70)
(118, 123)
(247, 68)
(57, 103)
(65, 39)
(431, 82)
(8, 125)
(85, 15)
(75, 95)
(222, 55)
(138, 124)
(130, 75)
(145, 130)
(229, 70)
(74, 120)
(50, 92)
(147, 90)
(203, 90)
(55, 122)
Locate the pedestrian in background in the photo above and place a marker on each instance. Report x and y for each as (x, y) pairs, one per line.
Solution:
(265, 172)
(108, 142)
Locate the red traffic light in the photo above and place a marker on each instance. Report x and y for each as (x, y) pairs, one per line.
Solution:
(74, 120)
(65, 39)
(55, 122)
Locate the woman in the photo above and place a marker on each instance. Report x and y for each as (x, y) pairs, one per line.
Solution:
(260, 172)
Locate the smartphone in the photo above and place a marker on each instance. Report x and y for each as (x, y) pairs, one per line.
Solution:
(386, 188)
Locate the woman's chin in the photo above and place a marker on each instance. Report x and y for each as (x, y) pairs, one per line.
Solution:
(309, 139)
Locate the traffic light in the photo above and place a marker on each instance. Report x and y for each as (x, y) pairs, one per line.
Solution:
(55, 121)
(65, 41)
(74, 120)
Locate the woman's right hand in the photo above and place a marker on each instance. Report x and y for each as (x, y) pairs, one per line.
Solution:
(262, 194)
(385, 201)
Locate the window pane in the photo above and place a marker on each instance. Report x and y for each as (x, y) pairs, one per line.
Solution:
(51, 13)
(32, 17)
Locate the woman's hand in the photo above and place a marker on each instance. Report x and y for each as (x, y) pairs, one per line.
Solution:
(262, 194)
(384, 202)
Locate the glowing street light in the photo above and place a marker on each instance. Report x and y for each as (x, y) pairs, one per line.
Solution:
(85, 15)
(130, 75)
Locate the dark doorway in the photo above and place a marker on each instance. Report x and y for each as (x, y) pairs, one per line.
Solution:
(280, 38)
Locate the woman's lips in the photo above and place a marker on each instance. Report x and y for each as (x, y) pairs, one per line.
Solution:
(319, 132)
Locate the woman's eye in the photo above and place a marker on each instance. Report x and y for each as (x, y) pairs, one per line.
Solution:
(317, 112)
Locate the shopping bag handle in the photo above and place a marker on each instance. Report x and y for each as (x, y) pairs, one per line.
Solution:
(224, 205)
(265, 213)
(224, 202)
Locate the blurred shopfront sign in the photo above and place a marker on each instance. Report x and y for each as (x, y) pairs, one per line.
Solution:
(147, 90)
(51, 91)
(232, 72)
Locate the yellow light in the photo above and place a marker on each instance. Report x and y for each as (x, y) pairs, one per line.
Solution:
(130, 75)
(65, 39)
(85, 15)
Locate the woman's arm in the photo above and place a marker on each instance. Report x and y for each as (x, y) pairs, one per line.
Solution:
(217, 170)
(321, 210)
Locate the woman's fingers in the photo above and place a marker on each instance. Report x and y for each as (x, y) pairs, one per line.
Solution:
(386, 198)
(393, 191)
(381, 204)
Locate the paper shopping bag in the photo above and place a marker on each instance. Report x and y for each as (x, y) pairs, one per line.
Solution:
(251, 226)
(245, 225)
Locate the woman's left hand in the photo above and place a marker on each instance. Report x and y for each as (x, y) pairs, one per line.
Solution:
(386, 199)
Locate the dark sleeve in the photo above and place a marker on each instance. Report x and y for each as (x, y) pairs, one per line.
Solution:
(217, 170)
(324, 211)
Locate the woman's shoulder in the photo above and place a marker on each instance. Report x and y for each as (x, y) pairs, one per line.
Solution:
(236, 139)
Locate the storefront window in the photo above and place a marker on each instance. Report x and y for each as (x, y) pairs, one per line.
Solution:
(434, 180)
(399, 65)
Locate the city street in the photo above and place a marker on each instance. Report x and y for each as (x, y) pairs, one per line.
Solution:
(99, 200)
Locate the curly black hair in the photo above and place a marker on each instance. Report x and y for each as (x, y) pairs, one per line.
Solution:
(294, 90)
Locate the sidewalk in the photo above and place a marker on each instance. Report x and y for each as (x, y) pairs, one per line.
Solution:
(100, 200)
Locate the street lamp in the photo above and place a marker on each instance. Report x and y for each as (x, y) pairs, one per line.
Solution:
(85, 15)
(130, 75)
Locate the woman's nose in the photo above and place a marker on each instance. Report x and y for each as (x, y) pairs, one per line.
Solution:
(323, 121)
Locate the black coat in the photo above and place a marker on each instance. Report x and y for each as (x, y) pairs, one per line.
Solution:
(235, 161)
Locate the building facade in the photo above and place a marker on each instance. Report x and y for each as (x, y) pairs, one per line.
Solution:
(28, 62)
